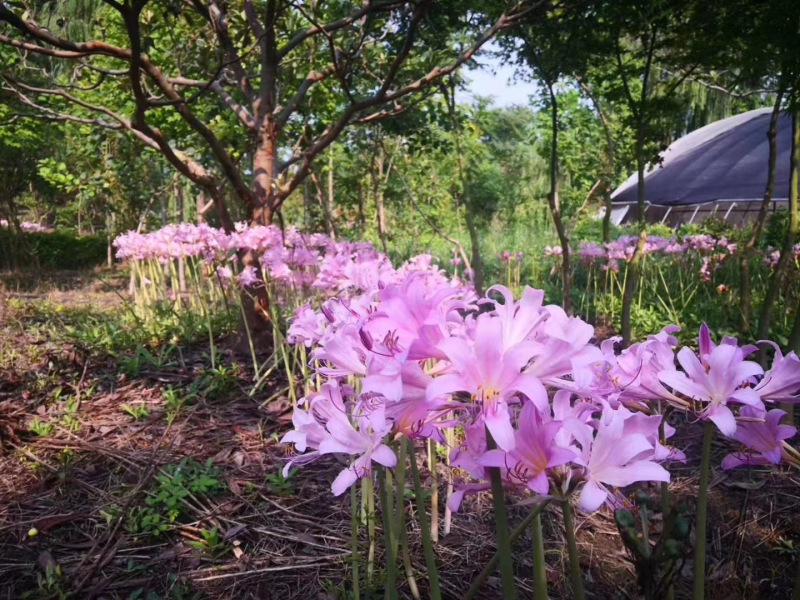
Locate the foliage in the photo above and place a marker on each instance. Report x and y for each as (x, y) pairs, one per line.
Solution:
(60, 250)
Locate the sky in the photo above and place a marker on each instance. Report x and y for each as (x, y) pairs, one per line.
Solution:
(495, 80)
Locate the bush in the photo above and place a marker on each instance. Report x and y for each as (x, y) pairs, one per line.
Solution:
(60, 250)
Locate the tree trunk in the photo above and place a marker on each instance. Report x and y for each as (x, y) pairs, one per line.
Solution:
(745, 296)
(377, 192)
(329, 197)
(776, 280)
(606, 195)
(307, 210)
(362, 221)
(323, 203)
(555, 208)
(607, 185)
(475, 246)
(181, 197)
(632, 272)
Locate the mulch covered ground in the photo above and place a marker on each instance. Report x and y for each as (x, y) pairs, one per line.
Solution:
(75, 499)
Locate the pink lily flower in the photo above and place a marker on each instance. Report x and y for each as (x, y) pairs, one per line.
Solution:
(491, 375)
(761, 435)
(782, 382)
(534, 453)
(615, 458)
(365, 439)
(716, 379)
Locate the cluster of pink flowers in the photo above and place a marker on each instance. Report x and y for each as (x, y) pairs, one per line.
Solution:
(309, 264)
(522, 388)
(711, 250)
(28, 226)
(773, 256)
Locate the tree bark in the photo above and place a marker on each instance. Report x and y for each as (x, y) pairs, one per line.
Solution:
(608, 177)
(745, 295)
(786, 250)
(323, 203)
(555, 205)
(329, 197)
(632, 272)
(377, 192)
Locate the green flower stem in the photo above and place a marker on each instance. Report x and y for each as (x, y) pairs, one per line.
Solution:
(425, 531)
(369, 493)
(702, 515)
(572, 548)
(400, 516)
(666, 505)
(354, 540)
(388, 533)
(501, 527)
(539, 564)
(492, 564)
(434, 491)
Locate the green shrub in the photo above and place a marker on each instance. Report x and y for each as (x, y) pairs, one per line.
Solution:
(62, 250)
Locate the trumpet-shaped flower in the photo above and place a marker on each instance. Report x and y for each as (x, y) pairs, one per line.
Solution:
(782, 382)
(761, 435)
(491, 376)
(715, 379)
(618, 459)
(535, 451)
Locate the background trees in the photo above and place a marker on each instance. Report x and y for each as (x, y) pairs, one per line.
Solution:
(354, 111)
(239, 98)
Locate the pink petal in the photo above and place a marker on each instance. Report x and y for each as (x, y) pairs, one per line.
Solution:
(446, 384)
(639, 470)
(498, 422)
(723, 419)
(343, 481)
(592, 496)
(494, 458)
(383, 455)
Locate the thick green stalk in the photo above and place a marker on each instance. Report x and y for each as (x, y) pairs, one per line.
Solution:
(434, 491)
(492, 564)
(501, 527)
(400, 516)
(702, 515)
(574, 558)
(354, 540)
(539, 564)
(666, 504)
(388, 534)
(368, 489)
(425, 531)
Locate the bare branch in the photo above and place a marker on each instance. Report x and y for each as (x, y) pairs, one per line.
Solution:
(312, 78)
(219, 21)
(334, 129)
(4, 39)
(369, 7)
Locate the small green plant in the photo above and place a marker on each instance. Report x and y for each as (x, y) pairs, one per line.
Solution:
(70, 418)
(173, 485)
(41, 428)
(138, 412)
(211, 543)
(49, 585)
(176, 589)
(280, 485)
(216, 382)
(658, 560)
(176, 399)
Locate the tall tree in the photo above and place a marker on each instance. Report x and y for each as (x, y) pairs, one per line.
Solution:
(241, 95)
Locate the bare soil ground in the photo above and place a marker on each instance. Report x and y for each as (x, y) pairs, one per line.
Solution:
(89, 507)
